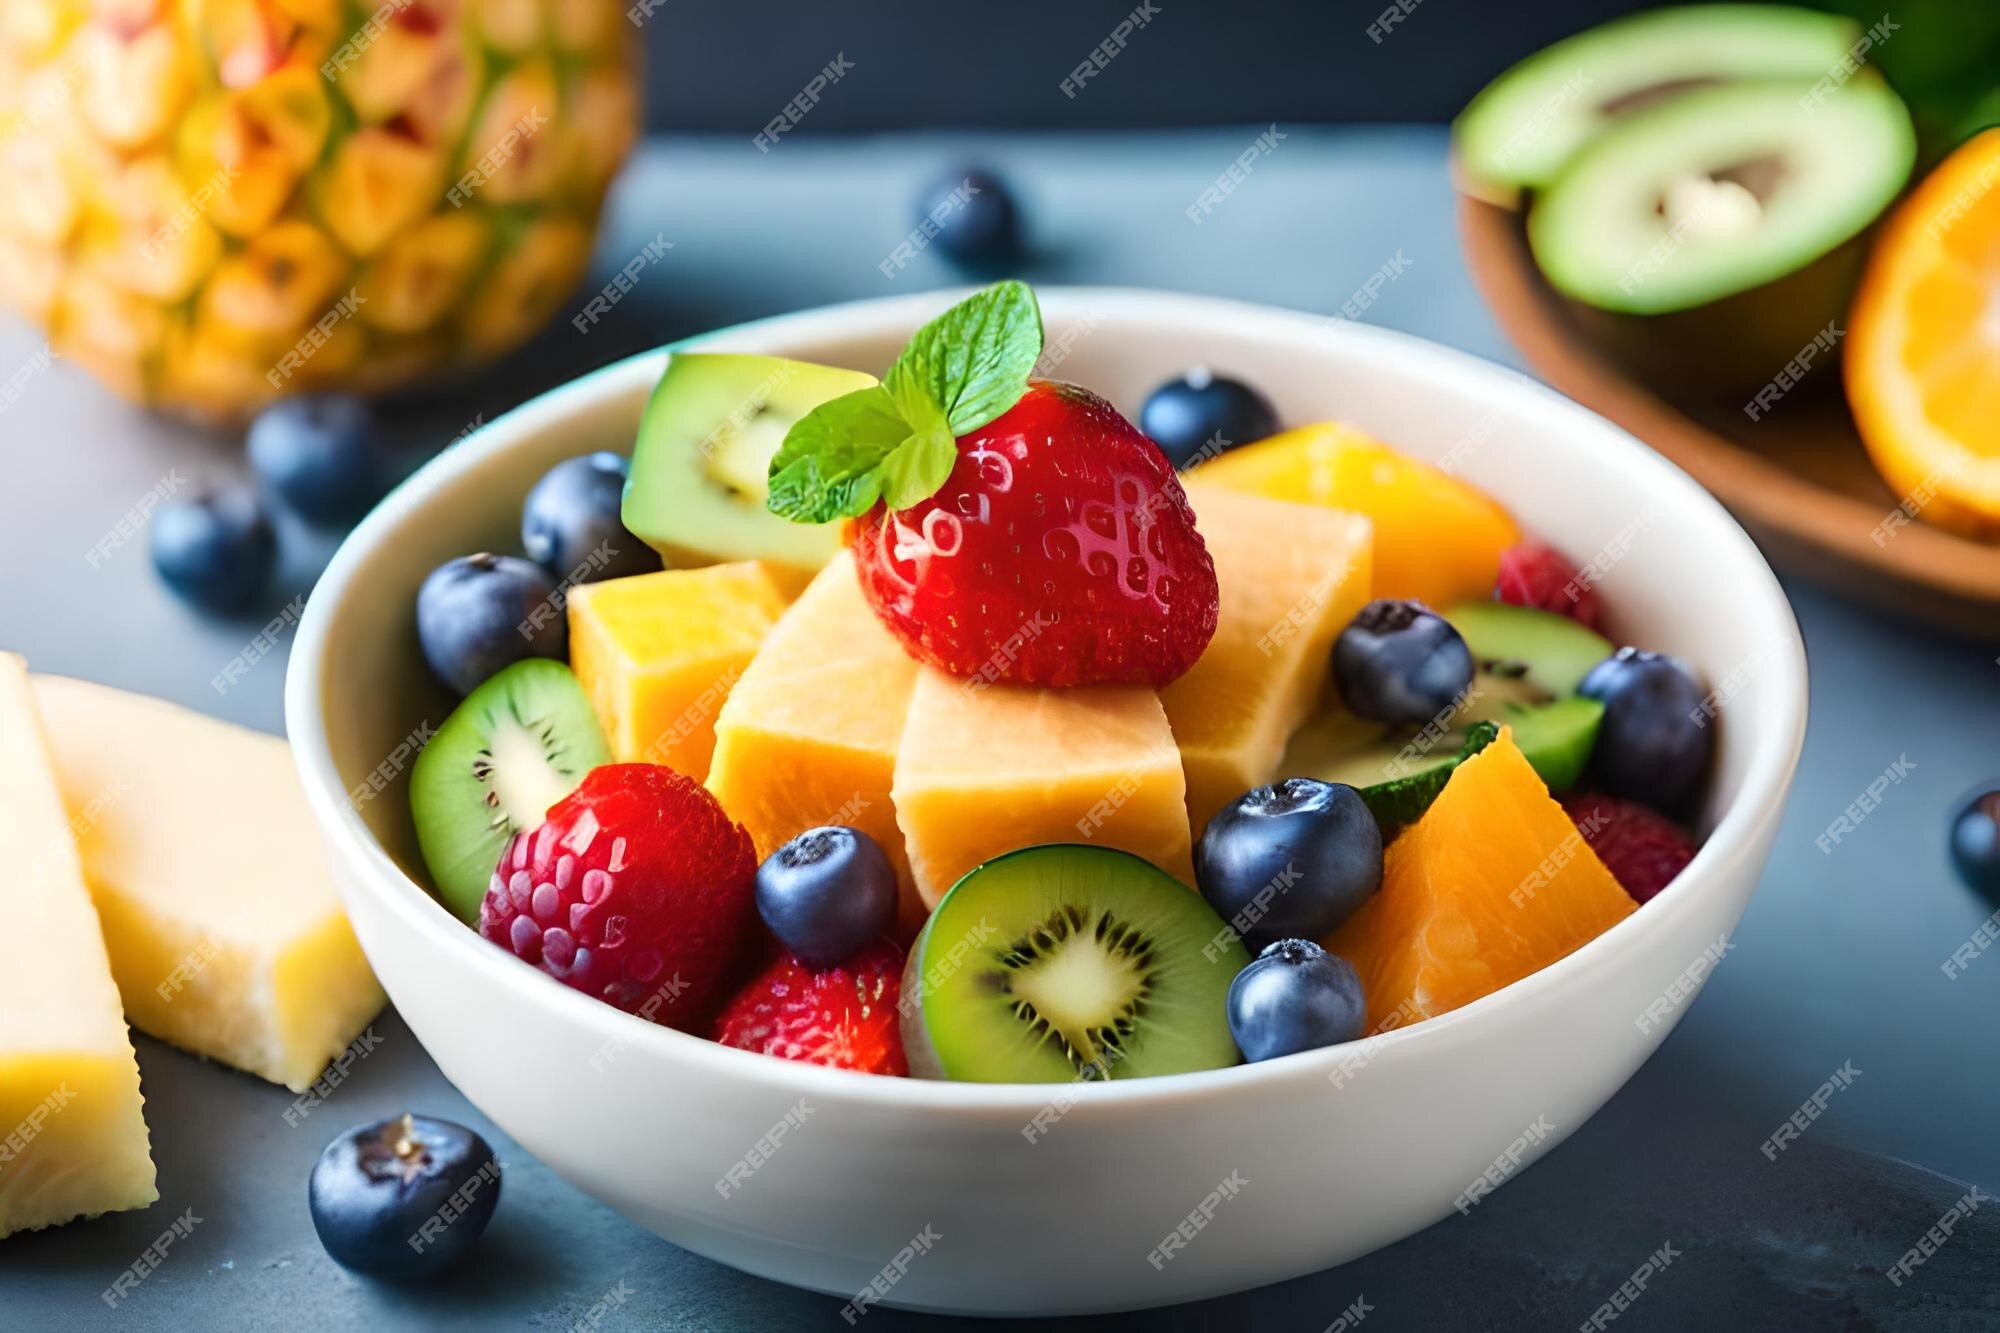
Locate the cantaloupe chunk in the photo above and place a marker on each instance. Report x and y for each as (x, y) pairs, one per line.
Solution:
(1492, 883)
(986, 769)
(73, 1139)
(1292, 576)
(809, 733)
(1437, 539)
(659, 653)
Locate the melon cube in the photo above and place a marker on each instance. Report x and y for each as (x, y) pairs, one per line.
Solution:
(73, 1139)
(1292, 576)
(987, 769)
(658, 654)
(809, 733)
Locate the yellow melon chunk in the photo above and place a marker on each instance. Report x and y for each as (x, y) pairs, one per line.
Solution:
(1494, 882)
(809, 734)
(1292, 576)
(986, 769)
(659, 653)
(219, 914)
(73, 1139)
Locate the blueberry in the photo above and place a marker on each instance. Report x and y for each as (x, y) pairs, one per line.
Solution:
(1294, 996)
(1652, 745)
(1400, 662)
(403, 1198)
(1975, 841)
(1292, 859)
(319, 455)
(479, 613)
(215, 548)
(827, 893)
(977, 223)
(571, 527)
(1200, 415)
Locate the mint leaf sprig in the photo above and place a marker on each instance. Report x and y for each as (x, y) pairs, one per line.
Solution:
(896, 442)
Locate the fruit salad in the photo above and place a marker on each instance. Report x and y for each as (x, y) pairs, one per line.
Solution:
(949, 725)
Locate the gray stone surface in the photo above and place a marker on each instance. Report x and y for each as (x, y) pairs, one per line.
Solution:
(1839, 958)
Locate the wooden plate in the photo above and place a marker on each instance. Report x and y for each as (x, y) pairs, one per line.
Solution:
(1799, 480)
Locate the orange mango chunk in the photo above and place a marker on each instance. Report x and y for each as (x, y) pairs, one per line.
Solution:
(1437, 539)
(810, 732)
(1494, 882)
(986, 769)
(1292, 577)
(658, 654)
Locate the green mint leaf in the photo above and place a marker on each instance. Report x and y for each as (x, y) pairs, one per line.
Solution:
(896, 442)
(827, 466)
(974, 360)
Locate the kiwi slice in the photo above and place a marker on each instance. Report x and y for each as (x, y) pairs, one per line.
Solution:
(1402, 801)
(1063, 963)
(1527, 656)
(1526, 125)
(514, 747)
(701, 467)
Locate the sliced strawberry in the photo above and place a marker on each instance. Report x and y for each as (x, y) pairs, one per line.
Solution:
(1060, 551)
(841, 1016)
(1641, 847)
(1539, 576)
(637, 889)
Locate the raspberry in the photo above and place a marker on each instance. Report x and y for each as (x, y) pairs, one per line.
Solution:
(1540, 577)
(637, 889)
(841, 1016)
(1641, 847)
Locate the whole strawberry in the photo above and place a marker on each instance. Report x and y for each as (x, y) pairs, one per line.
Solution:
(1012, 531)
(842, 1016)
(1536, 575)
(1641, 847)
(636, 889)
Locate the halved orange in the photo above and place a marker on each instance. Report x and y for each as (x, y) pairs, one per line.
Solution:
(1923, 345)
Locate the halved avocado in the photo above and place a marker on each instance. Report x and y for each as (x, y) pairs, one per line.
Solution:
(701, 467)
(1524, 127)
(1713, 241)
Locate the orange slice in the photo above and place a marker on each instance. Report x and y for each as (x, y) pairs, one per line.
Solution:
(1923, 345)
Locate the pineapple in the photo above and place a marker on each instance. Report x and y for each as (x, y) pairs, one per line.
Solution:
(214, 203)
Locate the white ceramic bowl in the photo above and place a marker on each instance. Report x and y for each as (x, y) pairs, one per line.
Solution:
(939, 1193)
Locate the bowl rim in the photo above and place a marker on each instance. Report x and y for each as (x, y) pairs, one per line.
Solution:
(1759, 800)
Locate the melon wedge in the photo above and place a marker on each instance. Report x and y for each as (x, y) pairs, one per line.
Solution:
(1292, 577)
(73, 1139)
(1437, 539)
(989, 769)
(810, 731)
(1494, 882)
(658, 654)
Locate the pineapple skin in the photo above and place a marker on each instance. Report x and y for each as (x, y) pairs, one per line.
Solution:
(216, 203)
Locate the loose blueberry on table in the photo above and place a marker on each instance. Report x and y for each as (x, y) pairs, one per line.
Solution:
(1975, 841)
(978, 225)
(215, 548)
(403, 1198)
(320, 455)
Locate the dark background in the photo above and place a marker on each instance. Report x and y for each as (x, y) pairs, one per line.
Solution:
(951, 64)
